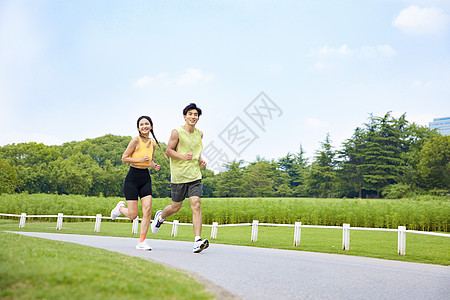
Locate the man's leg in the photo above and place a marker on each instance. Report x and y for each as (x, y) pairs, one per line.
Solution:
(171, 209)
(196, 214)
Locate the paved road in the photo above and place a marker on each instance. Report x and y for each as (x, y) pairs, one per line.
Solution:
(258, 273)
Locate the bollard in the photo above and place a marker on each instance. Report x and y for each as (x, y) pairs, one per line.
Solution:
(98, 222)
(174, 228)
(255, 231)
(346, 237)
(59, 221)
(297, 233)
(214, 228)
(401, 240)
(134, 229)
(23, 218)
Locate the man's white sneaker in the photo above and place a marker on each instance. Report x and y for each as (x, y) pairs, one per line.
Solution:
(156, 223)
(200, 245)
(116, 212)
(143, 246)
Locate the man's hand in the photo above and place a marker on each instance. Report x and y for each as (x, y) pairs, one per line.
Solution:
(202, 163)
(188, 156)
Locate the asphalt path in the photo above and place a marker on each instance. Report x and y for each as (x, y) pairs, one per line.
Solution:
(259, 273)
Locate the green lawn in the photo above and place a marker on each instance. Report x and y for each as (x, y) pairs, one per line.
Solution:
(34, 268)
(419, 248)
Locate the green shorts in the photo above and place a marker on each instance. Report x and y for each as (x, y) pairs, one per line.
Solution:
(180, 191)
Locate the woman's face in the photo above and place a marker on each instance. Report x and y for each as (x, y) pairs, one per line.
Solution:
(144, 126)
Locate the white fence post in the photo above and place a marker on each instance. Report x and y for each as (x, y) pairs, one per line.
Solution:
(175, 228)
(134, 229)
(401, 240)
(98, 222)
(346, 237)
(59, 221)
(297, 233)
(214, 228)
(23, 218)
(255, 231)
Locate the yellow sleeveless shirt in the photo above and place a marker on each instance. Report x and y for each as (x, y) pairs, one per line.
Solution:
(143, 150)
(182, 171)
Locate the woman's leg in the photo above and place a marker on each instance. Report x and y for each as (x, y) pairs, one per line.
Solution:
(132, 211)
(146, 203)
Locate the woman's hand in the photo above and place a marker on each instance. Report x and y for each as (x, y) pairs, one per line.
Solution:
(154, 166)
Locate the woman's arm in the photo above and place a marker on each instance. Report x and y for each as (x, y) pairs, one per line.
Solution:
(126, 157)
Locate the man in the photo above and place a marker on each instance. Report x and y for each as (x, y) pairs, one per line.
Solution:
(184, 149)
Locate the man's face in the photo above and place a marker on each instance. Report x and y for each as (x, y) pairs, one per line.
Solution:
(191, 117)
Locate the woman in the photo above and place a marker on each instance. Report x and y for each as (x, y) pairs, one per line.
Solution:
(139, 154)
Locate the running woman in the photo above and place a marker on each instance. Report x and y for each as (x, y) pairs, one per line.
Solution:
(139, 154)
(184, 149)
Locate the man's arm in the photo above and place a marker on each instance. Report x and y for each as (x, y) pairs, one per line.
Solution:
(172, 146)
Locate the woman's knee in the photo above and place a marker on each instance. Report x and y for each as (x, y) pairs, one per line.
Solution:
(132, 215)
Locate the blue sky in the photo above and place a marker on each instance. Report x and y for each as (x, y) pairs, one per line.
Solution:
(72, 70)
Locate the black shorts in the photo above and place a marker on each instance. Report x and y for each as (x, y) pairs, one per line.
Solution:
(137, 183)
(182, 190)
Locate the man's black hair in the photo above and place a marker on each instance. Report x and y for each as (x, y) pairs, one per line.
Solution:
(192, 106)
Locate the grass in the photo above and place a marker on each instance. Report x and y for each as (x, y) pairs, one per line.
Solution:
(376, 213)
(34, 268)
(419, 248)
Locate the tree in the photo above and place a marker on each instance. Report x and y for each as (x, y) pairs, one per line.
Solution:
(229, 182)
(258, 179)
(294, 167)
(8, 177)
(321, 178)
(208, 182)
(373, 157)
(434, 164)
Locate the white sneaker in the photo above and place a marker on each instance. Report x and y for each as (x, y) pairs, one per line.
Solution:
(143, 246)
(200, 245)
(116, 212)
(156, 223)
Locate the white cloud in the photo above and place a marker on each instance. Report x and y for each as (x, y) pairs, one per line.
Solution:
(162, 80)
(422, 21)
(190, 77)
(362, 52)
(313, 123)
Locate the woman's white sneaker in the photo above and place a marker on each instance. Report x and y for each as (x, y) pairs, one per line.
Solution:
(116, 211)
(143, 246)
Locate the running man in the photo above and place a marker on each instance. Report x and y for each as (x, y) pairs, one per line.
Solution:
(184, 149)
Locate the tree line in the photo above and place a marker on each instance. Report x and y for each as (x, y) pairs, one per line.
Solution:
(385, 157)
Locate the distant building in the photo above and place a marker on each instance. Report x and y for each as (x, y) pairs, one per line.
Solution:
(442, 125)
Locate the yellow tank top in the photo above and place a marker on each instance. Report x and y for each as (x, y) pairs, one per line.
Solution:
(143, 150)
(182, 171)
